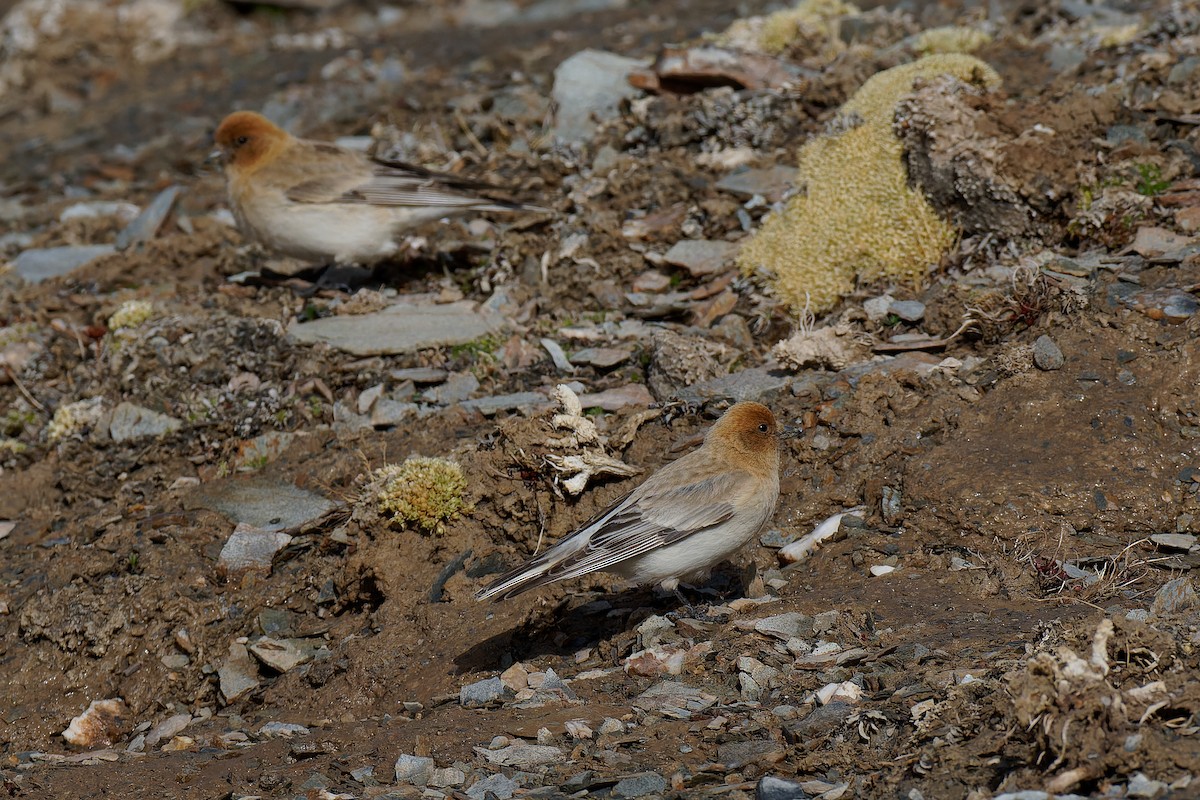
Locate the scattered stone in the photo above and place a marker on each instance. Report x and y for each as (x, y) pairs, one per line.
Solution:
(167, 729)
(250, 548)
(175, 661)
(499, 786)
(400, 328)
(770, 183)
(822, 721)
(674, 699)
(1171, 305)
(1141, 786)
(561, 362)
(282, 730)
(261, 501)
(640, 785)
(416, 770)
(589, 87)
(1046, 354)
(103, 723)
(39, 264)
(523, 756)
(525, 402)
(791, 625)
(447, 777)
(880, 570)
(651, 281)
(755, 383)
(483, 693)
(239, 674)
(388, 413)
(1150, 242)
(737, 754)
(282, 655)
(771, 788)
(602, 357)
(130, 422)
(1174, 541)
(701, 256)
(631, 394)
(877, 307)
(1175, 596)
(655, 661)
(419, 375)
(147, 224)
(907, 310)
(458, 387)
(96, 209)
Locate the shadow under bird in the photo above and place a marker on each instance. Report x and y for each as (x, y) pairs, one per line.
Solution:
(321, 202)
(682, 521)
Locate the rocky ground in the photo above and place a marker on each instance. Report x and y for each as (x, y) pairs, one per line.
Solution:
(217, 580)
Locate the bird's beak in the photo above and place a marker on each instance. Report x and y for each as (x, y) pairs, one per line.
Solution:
(791, 431)
(215, 161)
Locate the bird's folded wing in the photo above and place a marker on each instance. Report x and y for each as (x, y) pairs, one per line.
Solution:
(388, 187)
(652, 520)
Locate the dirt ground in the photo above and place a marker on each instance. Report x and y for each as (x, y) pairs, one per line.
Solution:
(1013, 610)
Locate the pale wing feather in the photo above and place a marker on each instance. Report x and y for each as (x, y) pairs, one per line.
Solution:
(654, 515)
(336, 175)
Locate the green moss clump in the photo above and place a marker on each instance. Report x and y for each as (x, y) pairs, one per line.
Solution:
(951, 39)
(857, 218)
(131, 314)
(423, 492)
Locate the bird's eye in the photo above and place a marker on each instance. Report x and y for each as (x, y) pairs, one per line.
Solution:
(763, 428)
(241, 140)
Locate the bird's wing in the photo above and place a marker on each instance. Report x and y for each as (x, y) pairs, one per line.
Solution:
(344, 176)
(654, 515)
(653, 519)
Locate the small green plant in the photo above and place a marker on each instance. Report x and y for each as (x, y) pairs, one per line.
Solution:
(422, 492)
(1150, 180)
(15, 421)
(483, 347)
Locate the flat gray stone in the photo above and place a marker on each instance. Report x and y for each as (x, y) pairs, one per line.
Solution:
(483, 693)
(602, 357)
(1175, 596)
(907, 310)
(1174, 541)
(129, 422)
(633, 394)
(419, 375)
(239, 673)
(640, 785)
(41, 263)
(147, 224)
(772, 788)
(519, 401)
(457, 387)
(589, 87)
(499, 785)
(400, 328)
(387, 413)
(282, 730)
(250, 548)
(769, 183)
(523, 756)
(791, 625)
(166, 729)
(282, 655)
(416, 770)
(755, 383)
(701, 256)
(261, 502)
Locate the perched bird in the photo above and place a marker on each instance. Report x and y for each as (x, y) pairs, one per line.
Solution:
(321, 202)
(682, 521)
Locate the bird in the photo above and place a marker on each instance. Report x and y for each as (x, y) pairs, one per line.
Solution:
(321, 202)
(680, 522)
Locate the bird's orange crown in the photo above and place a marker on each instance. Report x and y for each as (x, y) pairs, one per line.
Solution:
(749, 428)
(247, 140)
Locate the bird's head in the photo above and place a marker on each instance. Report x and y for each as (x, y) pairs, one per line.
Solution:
(750, 429)
(246, 140)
